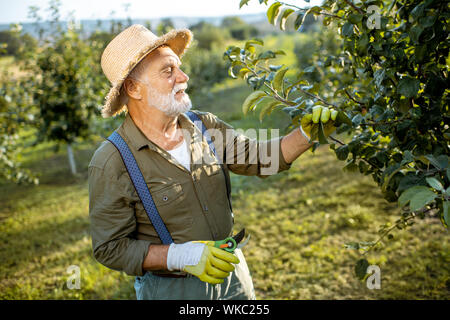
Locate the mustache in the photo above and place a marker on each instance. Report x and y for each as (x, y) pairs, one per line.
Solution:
(179, 86)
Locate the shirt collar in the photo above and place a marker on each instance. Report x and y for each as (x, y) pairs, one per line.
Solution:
(138, 140)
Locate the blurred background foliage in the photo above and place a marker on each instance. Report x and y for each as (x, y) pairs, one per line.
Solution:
(51, 87)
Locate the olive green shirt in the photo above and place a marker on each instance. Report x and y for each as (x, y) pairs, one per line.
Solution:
(193, 204)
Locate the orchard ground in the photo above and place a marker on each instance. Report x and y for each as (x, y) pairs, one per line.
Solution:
(299, 221)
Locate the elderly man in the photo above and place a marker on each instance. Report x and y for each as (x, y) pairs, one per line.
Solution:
(162, 227)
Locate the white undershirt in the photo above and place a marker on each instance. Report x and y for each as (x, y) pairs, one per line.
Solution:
(182, 155)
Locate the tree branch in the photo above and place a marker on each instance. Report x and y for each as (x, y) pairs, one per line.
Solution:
(353, 99)
(350, 3)
(336, 140)
(306, 9)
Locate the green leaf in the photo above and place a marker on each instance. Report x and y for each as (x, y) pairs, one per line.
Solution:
(342, 152)
(309, 69)
(379, 76)
(417, 11)
(299, 20)
(251, 100)
(408, 194)
(343, 118)
(269, 54)
(408, 87)
(243, 72)
(254, 41)
(427, 21)
(347, 29)
(266, 105)
(280, 52)
(362, 44)
(278, 80)
(273, 11)
(231, 72)
(352, 245)
(410, 180)
(438, 163)
(286, 13)
(350, 167)
(434, 183)
(443, 161)
(242, 3)
(322, 137)
(316, 10)
(421, 198)
(415, 32)
(361, 268)
(446, 212)
(407, 157)
(355, 18)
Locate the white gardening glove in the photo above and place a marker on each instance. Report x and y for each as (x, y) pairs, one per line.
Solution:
(201, 259)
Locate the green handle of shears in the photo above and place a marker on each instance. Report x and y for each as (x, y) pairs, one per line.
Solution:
(228, 244)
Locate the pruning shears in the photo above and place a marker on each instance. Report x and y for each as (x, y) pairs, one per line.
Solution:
(232, 243)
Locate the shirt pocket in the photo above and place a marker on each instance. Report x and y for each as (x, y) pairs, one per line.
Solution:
(171, 204)
(215, 185)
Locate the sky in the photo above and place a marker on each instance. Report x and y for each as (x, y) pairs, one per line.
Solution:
(14, 11)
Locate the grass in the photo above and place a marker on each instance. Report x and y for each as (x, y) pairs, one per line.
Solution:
(298, 219)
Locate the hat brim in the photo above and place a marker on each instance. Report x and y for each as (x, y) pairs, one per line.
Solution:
(178, 40)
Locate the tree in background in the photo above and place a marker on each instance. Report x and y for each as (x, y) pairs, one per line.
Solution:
(15, 111)
(14, 116)
(388, 80)
(13, 40)
(66, 84)
(205, 68)
(238, 28)
(207, 34)
(164, 26)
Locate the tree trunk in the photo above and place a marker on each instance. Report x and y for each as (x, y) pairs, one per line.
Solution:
(73, 167)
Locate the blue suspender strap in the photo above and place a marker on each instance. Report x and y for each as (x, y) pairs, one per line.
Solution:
(199, 123)
(141, 187)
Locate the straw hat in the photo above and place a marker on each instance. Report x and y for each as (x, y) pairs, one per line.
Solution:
(126, 50)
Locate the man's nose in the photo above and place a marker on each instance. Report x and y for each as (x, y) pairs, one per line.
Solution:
(181, 76)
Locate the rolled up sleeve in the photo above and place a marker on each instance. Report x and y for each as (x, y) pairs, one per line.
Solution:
(113, 224)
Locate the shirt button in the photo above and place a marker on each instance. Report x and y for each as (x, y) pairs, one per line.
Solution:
(206, 208)
(165, 198)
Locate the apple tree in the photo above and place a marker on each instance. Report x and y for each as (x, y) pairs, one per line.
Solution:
(387, 76)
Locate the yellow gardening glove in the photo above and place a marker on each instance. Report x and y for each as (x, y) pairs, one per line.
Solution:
(201, 259)
(309, 125)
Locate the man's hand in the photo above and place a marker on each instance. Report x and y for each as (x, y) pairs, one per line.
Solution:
(309, 125)
(201, 259)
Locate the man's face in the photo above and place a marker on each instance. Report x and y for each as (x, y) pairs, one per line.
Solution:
(165, 83)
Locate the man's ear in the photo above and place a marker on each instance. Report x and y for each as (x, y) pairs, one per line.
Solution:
(133, 89)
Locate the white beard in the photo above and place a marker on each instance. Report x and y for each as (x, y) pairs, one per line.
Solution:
(168, 103)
